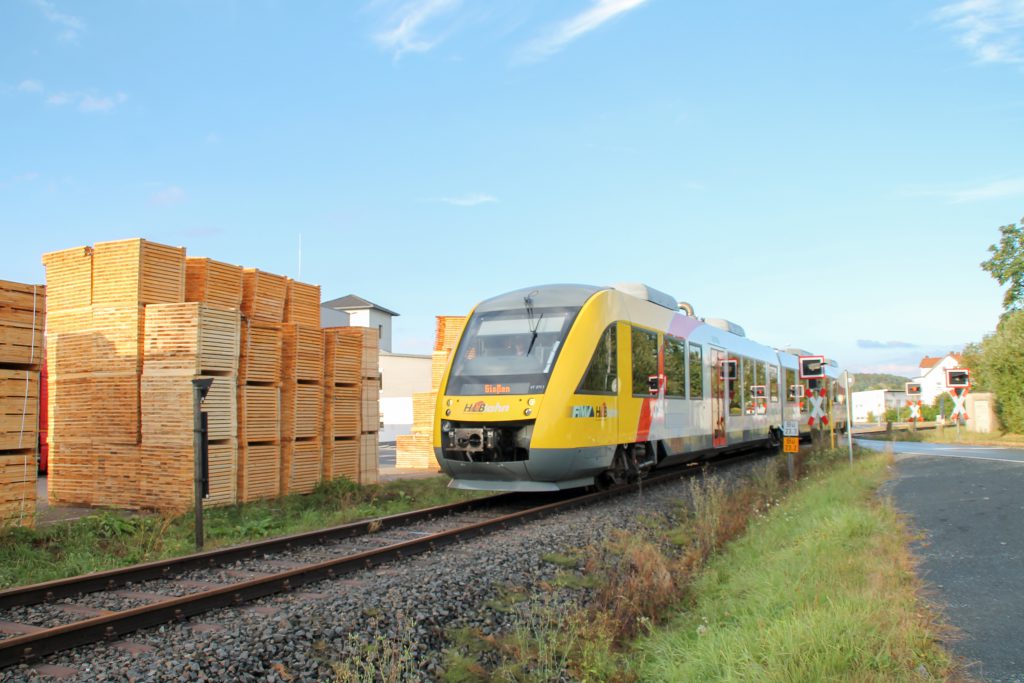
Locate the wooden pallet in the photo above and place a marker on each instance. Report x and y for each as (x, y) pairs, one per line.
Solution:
(341, 459)
(137, 271)
(95, 338)
(167, 414)
(259, 413)
(69, 278)
(423, 406)
(19, 408)
(302, 353)
(263, 295)
(343, 358)
(191, 337)
(103, 406)
(369, 465)
(301, 465)
(370, 341)
(346, 413)
(302, 407)
(17, 488)
(302, 304)
(415, 451)
(259, 471)
(369, 403)
(95, 474)
(213, 282)
(438, 365)
(259, 358)
(22, 321)
(167, 475)
(447, 331)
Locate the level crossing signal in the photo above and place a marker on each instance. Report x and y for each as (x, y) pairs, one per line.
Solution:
(913, 388)
(958, 382)
(812, 367)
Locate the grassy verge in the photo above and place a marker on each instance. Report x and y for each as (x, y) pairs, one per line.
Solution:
(108, 540)
(768, 581)
(949, 435)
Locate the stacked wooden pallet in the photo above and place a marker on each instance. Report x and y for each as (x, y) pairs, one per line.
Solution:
(342, 407)
(416, 450)
(302, 401)
(136, 322)
(22, 320)
(94, 357)
(185, 342)
(368, 341)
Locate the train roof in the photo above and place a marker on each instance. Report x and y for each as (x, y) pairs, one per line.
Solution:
(543, 296)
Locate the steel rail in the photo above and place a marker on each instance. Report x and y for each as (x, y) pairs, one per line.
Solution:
(57, 589)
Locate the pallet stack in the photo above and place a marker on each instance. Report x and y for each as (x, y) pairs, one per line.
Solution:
(22, 320)
(94, 356)
(416, 450)
(259, 385)
(367, 341)
(342, 405)
(302, 389)
(185, 342)
(133, 323)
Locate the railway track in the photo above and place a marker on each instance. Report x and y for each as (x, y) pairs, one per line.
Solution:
(112, 604)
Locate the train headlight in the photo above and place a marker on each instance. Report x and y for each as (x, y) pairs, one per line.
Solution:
(531, 401)
(447, 412)
(449, 403)
(528, 412)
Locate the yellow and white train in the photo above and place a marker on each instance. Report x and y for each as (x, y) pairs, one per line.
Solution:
(566, 386)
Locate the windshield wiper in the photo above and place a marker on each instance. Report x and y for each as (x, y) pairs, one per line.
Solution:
(533, 336)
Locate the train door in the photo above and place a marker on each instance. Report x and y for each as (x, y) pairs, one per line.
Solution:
(718, 382)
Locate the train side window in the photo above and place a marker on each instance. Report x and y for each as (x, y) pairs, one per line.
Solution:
(675, 367)
(696, 372)
(773, 384)
(736, 387)
(645, 361)
(750, 378)
(790, 382)
(602, 374)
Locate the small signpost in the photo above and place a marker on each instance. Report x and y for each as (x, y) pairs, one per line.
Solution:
(812, 368)
(790, 442)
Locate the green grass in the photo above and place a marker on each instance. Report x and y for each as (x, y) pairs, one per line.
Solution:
(820, 588)
(107, 539)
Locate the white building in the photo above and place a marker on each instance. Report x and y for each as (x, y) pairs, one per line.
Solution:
(402, 374)
(870, 406)
(933, 375)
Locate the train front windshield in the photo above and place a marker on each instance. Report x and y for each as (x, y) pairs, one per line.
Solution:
(509, 352)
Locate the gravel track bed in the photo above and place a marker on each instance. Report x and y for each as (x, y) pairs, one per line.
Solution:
(296, 637)
(48, 615)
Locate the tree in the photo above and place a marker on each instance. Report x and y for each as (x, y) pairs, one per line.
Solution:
(1002, 366)
(1007, 264)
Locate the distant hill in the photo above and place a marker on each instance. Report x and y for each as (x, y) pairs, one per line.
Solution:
(866, 381)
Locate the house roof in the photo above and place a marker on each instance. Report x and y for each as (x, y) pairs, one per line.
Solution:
(352, 302)
(928, 362)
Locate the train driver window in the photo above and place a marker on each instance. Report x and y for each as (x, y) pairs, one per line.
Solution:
(675, 368)
(602, 374)
(696, 372)
(645, 362)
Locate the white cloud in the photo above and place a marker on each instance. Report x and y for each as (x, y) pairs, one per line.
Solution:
(990, 29)
(168, 196)
(468, 200)
(60, 99)
(1000, 189)
(70, 25)
(407, 24)
(29, 85)
(90, 103)
(569, 30)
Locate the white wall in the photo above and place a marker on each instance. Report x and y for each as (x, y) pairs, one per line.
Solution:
(402, 375)
(933, 382)
(876, 402)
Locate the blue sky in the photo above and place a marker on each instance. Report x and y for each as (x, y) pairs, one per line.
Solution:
(826, 175)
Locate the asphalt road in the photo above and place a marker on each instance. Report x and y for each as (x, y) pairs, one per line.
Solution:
(968, 501)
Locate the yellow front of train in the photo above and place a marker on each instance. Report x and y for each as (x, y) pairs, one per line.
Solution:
(499, 422)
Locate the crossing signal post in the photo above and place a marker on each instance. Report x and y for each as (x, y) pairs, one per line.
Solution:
(201, 451)
(812, 369)
(958, 383)
(913, 391)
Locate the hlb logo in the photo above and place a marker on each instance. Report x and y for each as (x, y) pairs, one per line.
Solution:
(481, 407)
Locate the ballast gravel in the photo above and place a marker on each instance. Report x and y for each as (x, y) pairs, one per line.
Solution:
(298, 636)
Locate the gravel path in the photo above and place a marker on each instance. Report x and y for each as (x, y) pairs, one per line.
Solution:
(296, 637)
